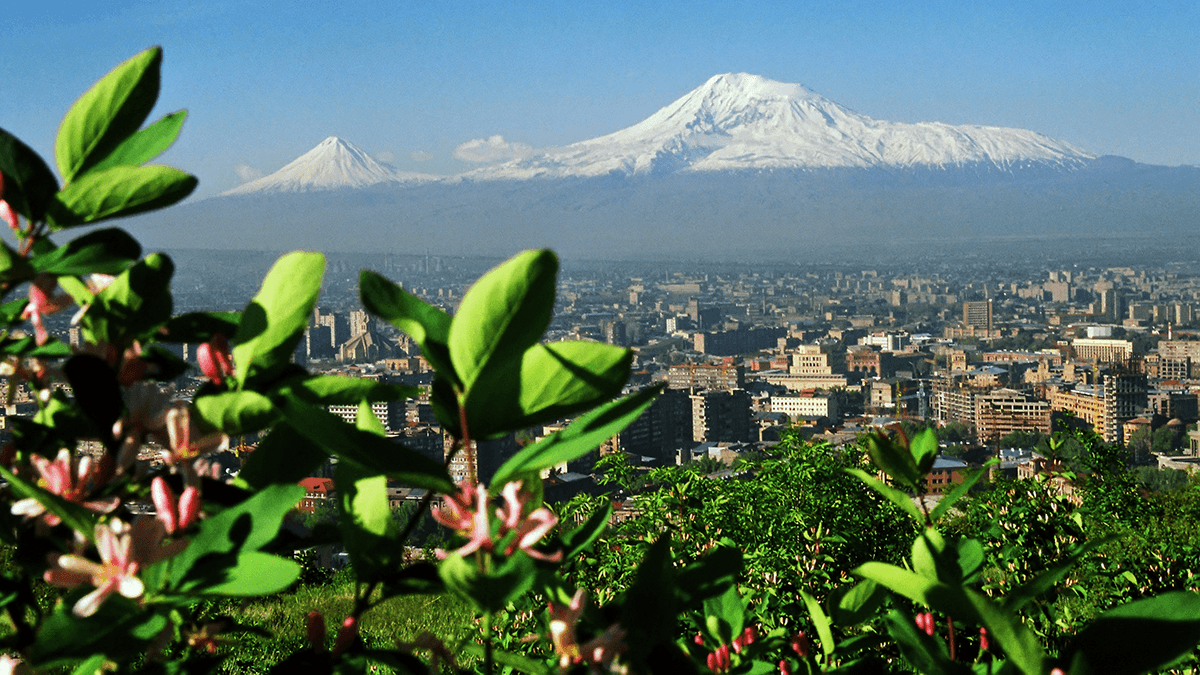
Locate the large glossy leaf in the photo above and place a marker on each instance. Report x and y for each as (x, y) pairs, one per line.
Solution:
(108, 251)
(238, 529)
(924, 449)
(108, 113)
(273, 323)
(29, 184)
(118, 191)
(120, 629)
(429, 326)
(854, 605)
(580, 437)
(146, 144)
(251, 573)
(1140, 636)
(893, 495)
(200, 326)
(366, 524)
(488, 592)
(709, 576)
(724, 615)
(930, 592)
(75, 516)
(134, 304)
(504, 313)
(1018, 641)
(893, 459)
(943, 506)
(371, 452)
(649, 611)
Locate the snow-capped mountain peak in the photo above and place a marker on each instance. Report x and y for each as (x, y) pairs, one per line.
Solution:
(737, 121)
(333, 164)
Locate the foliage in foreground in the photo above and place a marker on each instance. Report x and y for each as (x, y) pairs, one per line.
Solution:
(839, 577)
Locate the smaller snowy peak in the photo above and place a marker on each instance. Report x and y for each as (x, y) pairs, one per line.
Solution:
(333, 164)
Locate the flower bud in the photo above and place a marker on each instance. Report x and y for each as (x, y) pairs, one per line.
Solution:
(699, 640)
(983, 639)
(189, 507)
(785, 668)
(346, 635)
(315, 626)
(800, 644)
(164, 504)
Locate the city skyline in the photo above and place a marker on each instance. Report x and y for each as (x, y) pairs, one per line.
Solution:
(419, 86)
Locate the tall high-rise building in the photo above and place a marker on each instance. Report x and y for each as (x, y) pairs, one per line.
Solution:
(978, 314)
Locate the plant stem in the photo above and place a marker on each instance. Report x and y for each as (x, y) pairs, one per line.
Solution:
(487, 643)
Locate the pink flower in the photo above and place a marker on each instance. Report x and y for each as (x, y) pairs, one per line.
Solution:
(315, 628)
(147, 405)
(799, 644)
(599, 651)
(43, 301)
(925, 622)
(174, 515)
(467, 514)
(70, 480)
(346, 636)
(214, 359)
(529, 529)
(983, 639)
(9, 216)
(123, 550)
(185, 439)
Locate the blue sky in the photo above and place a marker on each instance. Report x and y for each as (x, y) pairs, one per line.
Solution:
(265, 81)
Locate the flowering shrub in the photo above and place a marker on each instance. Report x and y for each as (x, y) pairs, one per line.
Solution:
(132, 582)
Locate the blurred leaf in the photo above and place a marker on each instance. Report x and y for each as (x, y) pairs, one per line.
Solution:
(580, 437)
(1140, 636)
(488, 592)
(922, 651)
(1020, 644)
(649, 608)
(724, 615)
(200, 326)
(958, 492)
(29, 185)
(237, 412)
(892, 459)
(285, 456)
(108, 251)
(581, 538)
(117, 192)
(108, 113)
(366, 524)
(418, 578)
(146, 144)
(924, 449)
(854, 605)
(503, 314)
(119, 630)
(96, 390)
(821, 622)
(134, 304)
(73, 515)
(273, 323)
(342, 390)
(710, 575)
(920, 589)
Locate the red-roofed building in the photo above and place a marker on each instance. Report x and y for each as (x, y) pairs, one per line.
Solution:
(315, 490)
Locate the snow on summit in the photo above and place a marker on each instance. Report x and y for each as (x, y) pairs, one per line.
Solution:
(333, 164)
(739, 121)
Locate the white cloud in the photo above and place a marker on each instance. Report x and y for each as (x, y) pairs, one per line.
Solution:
(247, 173)
(421, 156)
(493, 149)
(386, 157)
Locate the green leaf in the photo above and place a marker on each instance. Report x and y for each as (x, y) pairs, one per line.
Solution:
(930, 592)
(581, 436)
(924, 449)
(418, 578)
(96, 390)
(200, 326)
(927, 556)
(251, 573)
(237, 412)
(820, 622)
(342, 390)
(246, 527)
(13, 268)
(922, 651)
(146, 144)
(134, 304)
(581, 538)
(375, 454)
(117, 192)
(709, 576)
(854, 605)
(429, 326)
(29, 185)
(366, 524)
(1019, 643)
(488, 592)
(119, 630)
(108, 251)
(958, 492)
(91, 666)
(285, 456)
(108, 113)
(892, 459)
(893, 495)
(517, 662)
(649, 606)
(1018, 597)
(1140, 636)
(502, 315)
(273, 323)
(724, 615)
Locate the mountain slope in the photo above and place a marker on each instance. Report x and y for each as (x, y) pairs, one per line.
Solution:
(333, 164)
(740, 121)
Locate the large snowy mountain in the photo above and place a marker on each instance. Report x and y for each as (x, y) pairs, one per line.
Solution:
(740, 167)
(333, 164)
(739, 121)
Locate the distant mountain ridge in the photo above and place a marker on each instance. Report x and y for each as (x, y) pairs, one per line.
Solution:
(333, 164)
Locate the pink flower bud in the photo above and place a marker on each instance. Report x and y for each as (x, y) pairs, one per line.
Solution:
(711, 662)
(189, 507)
(785, 668)
(316, 631)
(346, 635)
(925, 622)
(9, 216)
(983, 639)
(214, 360)
(749, 635)
(800, 644)
(164, 504)
(699, 640)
